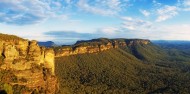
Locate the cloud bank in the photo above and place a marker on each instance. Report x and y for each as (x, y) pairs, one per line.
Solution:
(24, 12)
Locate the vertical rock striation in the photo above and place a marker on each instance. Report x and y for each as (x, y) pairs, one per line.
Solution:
(26, 67)
(97, 45)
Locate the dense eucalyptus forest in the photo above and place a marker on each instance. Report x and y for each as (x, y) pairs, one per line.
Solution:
(156, 68)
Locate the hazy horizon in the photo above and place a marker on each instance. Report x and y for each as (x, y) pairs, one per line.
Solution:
(66, 21)
(73, 42)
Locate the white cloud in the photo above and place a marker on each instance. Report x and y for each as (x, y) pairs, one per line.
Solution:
(185, 6)
(101, 7)
(166, 12)
(83, 4)
(156, 4)
(155, 32)
(186, 2)
(171, 32)
(145, 12)
(68, 1)
(109, 30)
(114, 4)
(135, 24)
(127, 18)
(22, 12)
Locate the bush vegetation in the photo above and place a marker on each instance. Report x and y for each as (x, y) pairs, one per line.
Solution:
(9, 37)
(137, 69)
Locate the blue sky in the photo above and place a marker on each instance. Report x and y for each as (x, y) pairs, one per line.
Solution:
(66, 21)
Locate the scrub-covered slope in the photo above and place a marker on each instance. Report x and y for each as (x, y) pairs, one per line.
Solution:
(131, 68)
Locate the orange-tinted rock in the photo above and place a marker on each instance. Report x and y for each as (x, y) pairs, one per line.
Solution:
(10, 53)
(97, 45)
(49, 61)
(22, 47)
(32, 65)
(63, 52)
(106, 47)
(80, 50)
(34, 52)
(93, 49)
(1, 47)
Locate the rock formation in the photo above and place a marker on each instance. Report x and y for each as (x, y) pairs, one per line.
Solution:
(97, 45)
(25, 67)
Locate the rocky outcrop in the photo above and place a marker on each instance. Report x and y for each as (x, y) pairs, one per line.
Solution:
(49, 60)
(31, 66)
(97, 45)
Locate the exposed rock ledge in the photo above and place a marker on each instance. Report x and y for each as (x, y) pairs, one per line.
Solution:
(25, 64)
(97, 45)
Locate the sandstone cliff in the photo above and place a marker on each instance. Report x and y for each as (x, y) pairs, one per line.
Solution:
(25, 67)
(97, 45)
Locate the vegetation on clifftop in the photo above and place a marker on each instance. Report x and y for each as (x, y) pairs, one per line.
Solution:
(9, 37)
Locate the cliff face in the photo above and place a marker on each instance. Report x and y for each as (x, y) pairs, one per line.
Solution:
(26, 67)
(97, 45)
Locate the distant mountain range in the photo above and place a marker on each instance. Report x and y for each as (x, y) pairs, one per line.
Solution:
(47, 44)
(177, 44)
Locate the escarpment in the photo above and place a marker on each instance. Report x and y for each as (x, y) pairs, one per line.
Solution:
(97, 45)
(25, 67)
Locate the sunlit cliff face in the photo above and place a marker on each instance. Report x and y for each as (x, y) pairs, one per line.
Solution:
(23, 51)
(96, 47)
(29, 64)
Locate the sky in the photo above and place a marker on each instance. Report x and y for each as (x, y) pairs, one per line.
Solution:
(66, 21)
